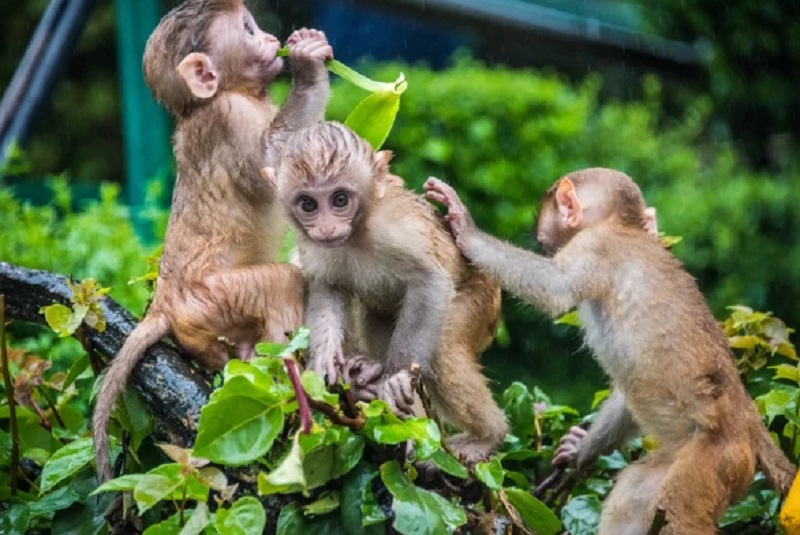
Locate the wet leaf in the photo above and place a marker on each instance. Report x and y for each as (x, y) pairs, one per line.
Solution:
(581, 515)
(327, 502)
(449, 464)
(533, 512)
(66, 462)
(246, 516)
(491, 473)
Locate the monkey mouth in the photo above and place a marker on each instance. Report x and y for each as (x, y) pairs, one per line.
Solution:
(272, 67)
(330, 243)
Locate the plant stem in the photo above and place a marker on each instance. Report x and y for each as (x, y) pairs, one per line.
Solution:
(51, 404)
(12, 407)
(300, 394)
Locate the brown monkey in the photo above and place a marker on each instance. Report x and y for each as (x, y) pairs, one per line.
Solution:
(386, 278)
(651, 330)
(219, 288)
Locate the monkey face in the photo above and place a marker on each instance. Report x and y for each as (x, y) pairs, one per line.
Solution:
(326, 216)
(552, 231)
(245, 55)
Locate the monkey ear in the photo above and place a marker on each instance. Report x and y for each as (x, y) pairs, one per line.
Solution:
(269, 174)
(569, 206)
(199, 73)
(382, 159)
(650, 221)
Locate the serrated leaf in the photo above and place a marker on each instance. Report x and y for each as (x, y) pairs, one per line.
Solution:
(449, 464)
(418, 511)
(66, 462)
(581, 515)
(491, 473)
(536, 515)
(246, 516)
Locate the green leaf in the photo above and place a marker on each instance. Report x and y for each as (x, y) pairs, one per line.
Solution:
(246, 516)
(63, 320)
(124, 483)
(423, 431)
(288, 476)
(66, 462)
(581, 515)
(237, 429)
(449, 464)
(134, 417)
(374, 116)
(55, 501)
(774, 403)
(417, 511)
(491, 473)
(570, 318)
(785, 371)
(341, 451)
(77, 368)
(15, 520)
(154, 488)
(536, 515)
(292, 522)
(614, 461)
(360, 511)
(314, 385)
(327, 502)
(746, 509)
(199, 519)
(599, 397)
(518, 406)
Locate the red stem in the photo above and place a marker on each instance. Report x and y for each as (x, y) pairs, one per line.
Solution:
(300, 394)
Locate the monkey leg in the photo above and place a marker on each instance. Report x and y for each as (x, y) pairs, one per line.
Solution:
(709, 473)
(243, 306)
(628, 510)
(460, 395)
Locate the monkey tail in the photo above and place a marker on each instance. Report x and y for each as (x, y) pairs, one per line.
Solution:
(777, 469)
(147, 333)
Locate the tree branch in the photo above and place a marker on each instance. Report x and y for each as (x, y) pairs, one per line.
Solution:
(173, 390)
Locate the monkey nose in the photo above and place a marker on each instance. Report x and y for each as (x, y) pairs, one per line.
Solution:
(327, 231)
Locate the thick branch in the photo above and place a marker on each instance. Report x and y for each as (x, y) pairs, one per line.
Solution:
(173, 390)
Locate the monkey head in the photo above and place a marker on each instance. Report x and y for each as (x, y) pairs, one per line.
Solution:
(328, 179)
(585, 198)
(203, 47)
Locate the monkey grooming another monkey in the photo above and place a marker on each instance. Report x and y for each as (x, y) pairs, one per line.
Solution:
(219, 287)
(385, 277)
(650, 328)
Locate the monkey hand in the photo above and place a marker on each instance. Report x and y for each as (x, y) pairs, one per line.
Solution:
(363, 374)
(569, 446)
(328, 364)
(308, 50)
(457, 216)
(398, 392)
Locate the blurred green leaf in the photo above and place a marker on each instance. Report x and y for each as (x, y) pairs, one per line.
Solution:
(534, 513)
(581, 515)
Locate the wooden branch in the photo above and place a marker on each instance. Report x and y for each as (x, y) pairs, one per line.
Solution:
(659, 521)
(173, 390)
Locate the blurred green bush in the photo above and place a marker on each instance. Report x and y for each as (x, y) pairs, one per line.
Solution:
(502, 137)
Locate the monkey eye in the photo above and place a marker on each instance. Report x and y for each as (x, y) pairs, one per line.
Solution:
(308, 205)
(340, 200)
(248, 28)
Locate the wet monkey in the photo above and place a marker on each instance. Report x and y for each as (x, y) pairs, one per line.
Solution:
(651, 330)
(210, 65)
(385, 278)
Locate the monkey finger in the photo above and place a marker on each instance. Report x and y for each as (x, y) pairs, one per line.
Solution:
(436, 196)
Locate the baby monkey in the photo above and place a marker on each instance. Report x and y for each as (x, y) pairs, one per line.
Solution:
(385, 278)
(210, 65)
(650, 328)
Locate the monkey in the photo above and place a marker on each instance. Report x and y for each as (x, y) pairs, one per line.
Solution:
(219, 289)
(649, 327)
(384, 277)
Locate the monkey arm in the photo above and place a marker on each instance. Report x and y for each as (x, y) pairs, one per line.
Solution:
(419, 323)
(612, 428)
(326, 320)
(541, 281)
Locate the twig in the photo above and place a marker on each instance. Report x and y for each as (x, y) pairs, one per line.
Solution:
(52, 406)
(416, 384)
(512, 513)
(12, 407)
(299, 393)
(336, 416)
(548, 482)
(659, 521)
(43, 421)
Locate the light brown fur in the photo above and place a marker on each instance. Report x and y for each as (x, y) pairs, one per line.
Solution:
(651, 330)
(385, 278)
(210, 65)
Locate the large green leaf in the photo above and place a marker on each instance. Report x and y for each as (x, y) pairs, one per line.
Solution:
(533, 512)
(66, 462)
(417, 511)
(449, 464)
(374, 116)
(490, 473)
(244, 517)
(359, 511)
(581, 515)
(237, 429)
(55, 501)
(292, 522)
